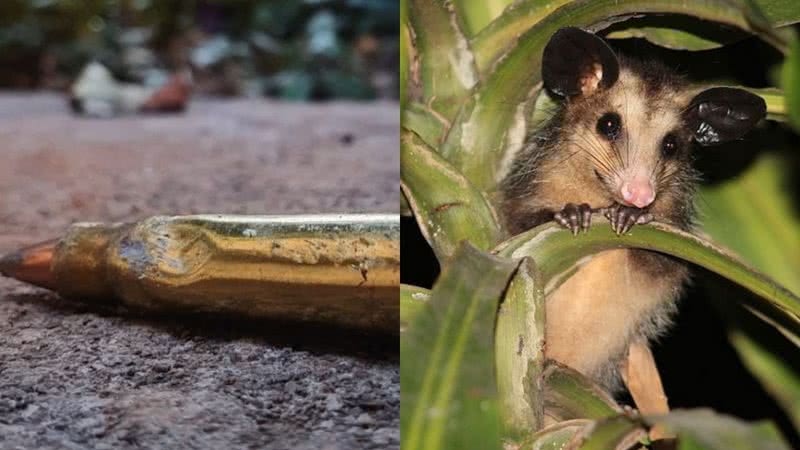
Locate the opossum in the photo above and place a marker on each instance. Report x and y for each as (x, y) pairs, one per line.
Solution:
(620, 143)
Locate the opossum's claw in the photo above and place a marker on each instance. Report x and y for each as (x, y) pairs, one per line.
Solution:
(575, 217)
(623, 218)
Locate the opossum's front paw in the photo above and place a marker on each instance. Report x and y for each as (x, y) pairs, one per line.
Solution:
(623, 218)
(575, 217)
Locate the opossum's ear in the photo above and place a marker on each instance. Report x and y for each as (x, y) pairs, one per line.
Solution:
(576, 62)
(723, 114)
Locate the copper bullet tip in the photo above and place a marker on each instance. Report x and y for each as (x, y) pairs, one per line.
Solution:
(30, 264)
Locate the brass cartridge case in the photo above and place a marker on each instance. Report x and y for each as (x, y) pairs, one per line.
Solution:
(341, 269)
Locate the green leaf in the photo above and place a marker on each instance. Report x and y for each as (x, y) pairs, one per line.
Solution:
(544, 108)
(612, 433)
(556, 436)
(761, 25)
(447, 207)
(412, 301)
(405, 48)
(478, 14)
(667, 37)
(779, 13)
(776, 104)
(519, 351)
(447, 368)
(558, 253)
(519, 346)
(500, 36)
(790, 80)
(689, 443)
(425, 123)
(704, 429)
(502, 33)
(446, 66)
(753, 215)
(570, 395)
(767, 355)
(697, 429)
(777, 377)
(491, 125)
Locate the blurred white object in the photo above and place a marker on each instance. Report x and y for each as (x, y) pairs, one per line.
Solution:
(97, 94)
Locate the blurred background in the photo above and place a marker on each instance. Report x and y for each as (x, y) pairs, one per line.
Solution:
(289, 49)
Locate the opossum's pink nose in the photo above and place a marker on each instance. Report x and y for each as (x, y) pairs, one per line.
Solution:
(638, 192)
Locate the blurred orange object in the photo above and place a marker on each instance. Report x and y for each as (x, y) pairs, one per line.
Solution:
(172, 97)
(96, 93)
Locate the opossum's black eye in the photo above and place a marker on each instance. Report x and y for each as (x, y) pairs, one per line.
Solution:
(670, 146)
(609, 125)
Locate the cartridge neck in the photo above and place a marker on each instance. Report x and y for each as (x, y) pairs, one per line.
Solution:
(80, 264)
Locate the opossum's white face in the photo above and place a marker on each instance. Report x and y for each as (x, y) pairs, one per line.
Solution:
(634, 137)
(635, 127)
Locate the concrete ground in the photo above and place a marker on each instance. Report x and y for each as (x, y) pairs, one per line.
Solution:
(76, 377)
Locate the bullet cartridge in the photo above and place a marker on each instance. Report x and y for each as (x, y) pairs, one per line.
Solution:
(339, 269)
